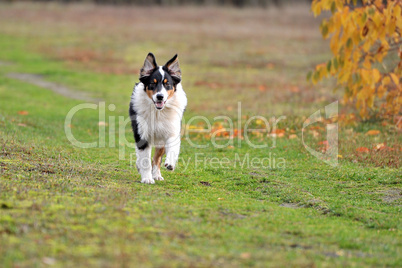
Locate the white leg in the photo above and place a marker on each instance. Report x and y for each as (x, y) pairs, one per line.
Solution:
(156, 164)
(156, 173)
(172, 152)
(144, 165)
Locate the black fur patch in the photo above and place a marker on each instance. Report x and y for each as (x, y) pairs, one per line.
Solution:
(141, 144)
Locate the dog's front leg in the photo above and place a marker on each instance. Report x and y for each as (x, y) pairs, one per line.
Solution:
(156, 164)
(172, 152)
(144, 164)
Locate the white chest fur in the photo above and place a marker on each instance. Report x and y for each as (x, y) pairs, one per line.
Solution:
(157, 126)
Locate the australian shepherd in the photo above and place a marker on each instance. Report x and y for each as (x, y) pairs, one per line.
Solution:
(156, 110)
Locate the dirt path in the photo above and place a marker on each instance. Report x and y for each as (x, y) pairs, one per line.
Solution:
(38, 80)
(5, 63)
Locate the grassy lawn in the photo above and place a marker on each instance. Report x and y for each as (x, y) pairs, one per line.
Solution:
(62, 205)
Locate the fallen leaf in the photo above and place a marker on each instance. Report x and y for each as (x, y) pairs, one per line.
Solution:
(315, 133)
(324, 146)
(317, 128)
(21, 125)
(379, 146)
(245, 255)
(294, 89)
(259, 122)
(340, 156)
(362, 150)
(23, 112)
(373, 132)
(262, 88)
(192, 127)
(292, 136)
(277, 131)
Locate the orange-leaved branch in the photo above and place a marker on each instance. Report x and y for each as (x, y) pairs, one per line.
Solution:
(365, 39)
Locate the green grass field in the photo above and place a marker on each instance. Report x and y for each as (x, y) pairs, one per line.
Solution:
(65, 206)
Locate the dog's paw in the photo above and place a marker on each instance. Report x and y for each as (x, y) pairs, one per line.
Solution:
(169, 166)
(159, 178)
(147, 181)
(156, 173)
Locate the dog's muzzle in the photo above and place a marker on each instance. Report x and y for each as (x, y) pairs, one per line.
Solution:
(159, 104)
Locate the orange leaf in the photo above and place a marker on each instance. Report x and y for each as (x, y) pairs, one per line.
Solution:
(278, 131)
(395, 78)
(294, 89)
(23, 112)
(373, 132)
(362, 150)
(262, 88)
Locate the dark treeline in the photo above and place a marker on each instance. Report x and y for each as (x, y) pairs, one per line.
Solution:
(236, 3)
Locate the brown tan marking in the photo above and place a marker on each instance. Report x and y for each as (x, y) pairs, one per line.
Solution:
(159, 152)
(171, 92)
(149, 93)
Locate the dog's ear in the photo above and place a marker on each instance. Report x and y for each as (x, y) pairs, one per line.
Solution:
(149, 66)
(174, 69)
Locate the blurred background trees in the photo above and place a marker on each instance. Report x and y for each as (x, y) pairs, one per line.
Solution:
(235, 3)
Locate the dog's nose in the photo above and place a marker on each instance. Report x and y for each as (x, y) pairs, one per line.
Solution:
(159, 97)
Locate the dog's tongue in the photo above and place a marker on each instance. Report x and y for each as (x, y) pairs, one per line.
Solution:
(159, 104)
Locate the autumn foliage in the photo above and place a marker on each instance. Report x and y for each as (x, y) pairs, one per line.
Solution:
(365, 39)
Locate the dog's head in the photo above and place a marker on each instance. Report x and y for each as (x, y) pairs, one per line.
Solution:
(160, 81)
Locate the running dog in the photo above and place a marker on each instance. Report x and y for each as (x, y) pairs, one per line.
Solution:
(156, 110)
